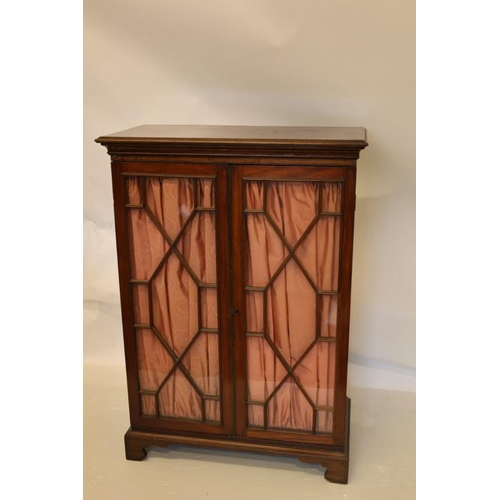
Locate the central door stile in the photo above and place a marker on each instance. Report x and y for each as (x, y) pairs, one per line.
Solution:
(224, 276)
(238, 296)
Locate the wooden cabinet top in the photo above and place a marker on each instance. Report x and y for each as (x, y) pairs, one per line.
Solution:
(236, 139)
(232, 134)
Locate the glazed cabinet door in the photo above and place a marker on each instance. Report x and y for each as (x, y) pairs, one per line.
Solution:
(292, 249)
(171, 223)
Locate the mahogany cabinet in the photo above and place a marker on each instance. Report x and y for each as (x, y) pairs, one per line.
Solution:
(235, 254)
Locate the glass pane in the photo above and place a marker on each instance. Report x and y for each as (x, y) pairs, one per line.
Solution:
(328, 315)
(255, 311)
(141, 304)
(254, 192)
(324, 422)
(147, 246)
(209, 314)
(264, 371)
(178, 398)
(154, 363)
(212, 410)
(206, 195)
(202, 363)
(289, 409)
(332, 197)
(316, 373)
(148, 405)
(255, 415)
(292, 206)
(175, 304)
(133, 190)
(291, 313)
(319, 253)
(265, 250)
(171, 201)
(197, 245)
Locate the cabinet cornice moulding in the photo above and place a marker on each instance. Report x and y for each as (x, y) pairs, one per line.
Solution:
(228, 142)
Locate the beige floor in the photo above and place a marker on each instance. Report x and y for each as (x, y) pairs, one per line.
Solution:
(382, 455)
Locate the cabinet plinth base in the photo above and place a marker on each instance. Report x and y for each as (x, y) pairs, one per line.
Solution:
(335, 461)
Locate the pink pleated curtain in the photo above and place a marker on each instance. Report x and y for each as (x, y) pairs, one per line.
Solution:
(292, 302)
(171, 202)
(296, 313)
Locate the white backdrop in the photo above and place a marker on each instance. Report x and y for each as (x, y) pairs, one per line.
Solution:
(265, 62)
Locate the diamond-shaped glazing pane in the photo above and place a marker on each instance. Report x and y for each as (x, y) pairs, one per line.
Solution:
(175, 304)
(291, 313)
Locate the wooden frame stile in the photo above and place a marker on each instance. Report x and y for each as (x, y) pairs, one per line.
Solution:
(125, 293)
(346, 250)
(237, 204)
(224, 302)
